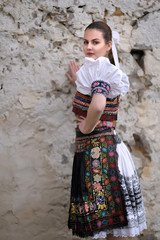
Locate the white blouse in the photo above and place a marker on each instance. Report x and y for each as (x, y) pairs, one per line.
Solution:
(101, 69)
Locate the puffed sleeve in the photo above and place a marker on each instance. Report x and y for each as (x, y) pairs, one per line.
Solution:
(119, 87)
(101, 77)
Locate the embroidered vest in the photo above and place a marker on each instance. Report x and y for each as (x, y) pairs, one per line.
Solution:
(81, 104)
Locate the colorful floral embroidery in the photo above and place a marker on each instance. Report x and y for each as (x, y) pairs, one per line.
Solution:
(106, 181)
(110, 147)
(88, 174)
(107, 124)
(103, 214)
(102, 139)
(104, 160)
(81, 104)
(101, 87)
(105, 222)
(104, 149)
(99, 223)
(109, 198)
(96, 206)
(97, 187)
(96, 171)
(97, 178)
(86, 207)
(96, 163)
(112, 172)
(105, 171)
(94, 216)
(100, 198)
(89, 184)
(95, 152)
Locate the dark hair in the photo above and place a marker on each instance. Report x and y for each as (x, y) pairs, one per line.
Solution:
(107, 34)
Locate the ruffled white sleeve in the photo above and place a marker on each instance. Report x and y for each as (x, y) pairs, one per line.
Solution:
(100, 74)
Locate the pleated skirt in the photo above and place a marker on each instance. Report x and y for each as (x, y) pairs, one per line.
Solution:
(105, 192)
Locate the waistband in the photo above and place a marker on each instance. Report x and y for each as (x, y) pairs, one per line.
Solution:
(101, 131)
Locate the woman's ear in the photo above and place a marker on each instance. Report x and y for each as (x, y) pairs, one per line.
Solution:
(108, 48)
(109, 45)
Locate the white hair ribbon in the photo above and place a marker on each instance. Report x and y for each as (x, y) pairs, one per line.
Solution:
(115, 40)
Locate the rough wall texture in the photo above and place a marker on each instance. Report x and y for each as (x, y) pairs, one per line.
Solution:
(38, 39)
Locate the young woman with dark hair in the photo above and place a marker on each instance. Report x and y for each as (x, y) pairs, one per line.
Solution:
(106, 200)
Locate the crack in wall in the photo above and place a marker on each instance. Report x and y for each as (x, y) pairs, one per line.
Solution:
(138, 55)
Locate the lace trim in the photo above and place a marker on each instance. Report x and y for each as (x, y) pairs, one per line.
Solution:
(134, 208)
(121, 232)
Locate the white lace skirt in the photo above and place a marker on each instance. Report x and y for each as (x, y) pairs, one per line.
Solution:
(132, 195)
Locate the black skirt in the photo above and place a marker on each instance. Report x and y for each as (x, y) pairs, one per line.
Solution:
(96, 200)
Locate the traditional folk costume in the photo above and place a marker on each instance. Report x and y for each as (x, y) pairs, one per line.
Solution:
(105, 191)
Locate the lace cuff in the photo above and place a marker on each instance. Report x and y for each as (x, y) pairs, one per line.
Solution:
(100, 87)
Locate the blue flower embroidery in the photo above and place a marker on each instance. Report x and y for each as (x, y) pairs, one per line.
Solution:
(88, 174)
(100, 199)
(110, 148)
(103, 214)
(87, 152)
(105, 222)
(104, 149)
(112, 172)
(111, 207)
(116, 193)
(105, 171)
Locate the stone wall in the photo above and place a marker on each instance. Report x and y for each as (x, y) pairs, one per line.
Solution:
(38, 39)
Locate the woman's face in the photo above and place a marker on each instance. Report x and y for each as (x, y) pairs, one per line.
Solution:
(94, 45)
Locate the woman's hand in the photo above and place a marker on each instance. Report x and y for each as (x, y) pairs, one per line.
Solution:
(73, 67)
(82, 125)
(81, 121)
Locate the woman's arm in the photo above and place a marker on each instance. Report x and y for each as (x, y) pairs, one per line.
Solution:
(95, 110)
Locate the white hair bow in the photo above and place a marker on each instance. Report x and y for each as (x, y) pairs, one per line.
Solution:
(115, 40)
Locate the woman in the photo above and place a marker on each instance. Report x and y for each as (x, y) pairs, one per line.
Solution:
(106, 199)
